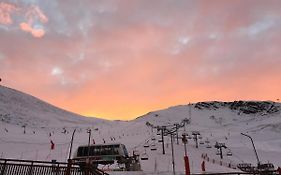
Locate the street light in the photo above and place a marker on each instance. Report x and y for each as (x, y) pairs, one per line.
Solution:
(69, 156)
(258, 160)
(71, 143)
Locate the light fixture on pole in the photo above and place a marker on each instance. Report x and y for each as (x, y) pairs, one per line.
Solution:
(258, 160)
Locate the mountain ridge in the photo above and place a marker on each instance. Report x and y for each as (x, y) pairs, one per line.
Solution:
(23, 109)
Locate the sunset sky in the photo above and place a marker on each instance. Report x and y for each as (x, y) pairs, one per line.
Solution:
(119, 59)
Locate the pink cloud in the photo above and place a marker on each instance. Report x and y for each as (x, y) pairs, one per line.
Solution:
(31, 15)
(5, 13)
(124, 60)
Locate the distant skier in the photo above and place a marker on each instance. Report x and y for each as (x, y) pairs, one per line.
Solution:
(52, 145)
(203, 166)
(94, 141)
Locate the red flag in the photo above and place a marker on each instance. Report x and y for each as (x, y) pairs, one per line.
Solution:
(52, 145)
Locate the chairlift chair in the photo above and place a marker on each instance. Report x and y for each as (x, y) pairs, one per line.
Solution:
(199, 137)
(146, 145)
(153, 138)
(208, 146)
(153, 147)
(229, 153)
(185, 133)
(136, 152)
(144, 156)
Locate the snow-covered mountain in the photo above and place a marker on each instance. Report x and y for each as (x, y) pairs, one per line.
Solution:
(25, 110)
(216, 121)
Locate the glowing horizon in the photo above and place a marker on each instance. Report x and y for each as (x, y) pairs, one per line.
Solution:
(121, 59)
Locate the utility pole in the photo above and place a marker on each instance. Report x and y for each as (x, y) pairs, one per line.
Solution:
(258, 160)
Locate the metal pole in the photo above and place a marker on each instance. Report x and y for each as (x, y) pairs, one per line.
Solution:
(253, 147)
(177, 125)
(196, 140)
(173, 158)
(71, 143)
(185, 150)
(162, 135)
(89, 131)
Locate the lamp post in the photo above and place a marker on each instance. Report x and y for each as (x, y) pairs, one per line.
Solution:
(71, 143)
(258, 160)
(69, 156)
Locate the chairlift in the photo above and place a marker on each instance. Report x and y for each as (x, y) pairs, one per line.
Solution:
(158, 134)
(136, 152)
(153, 138)
(146, 145)
(160, 140)
(229, 153)
(207, 141)
(185, 133)
(144, 156)
(201, 142)
(153, 147)
(199, 137)
(208, 146)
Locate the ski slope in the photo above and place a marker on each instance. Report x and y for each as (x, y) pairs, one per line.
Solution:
(28, 125)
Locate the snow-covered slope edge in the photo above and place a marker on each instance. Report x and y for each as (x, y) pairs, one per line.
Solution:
(18, 108)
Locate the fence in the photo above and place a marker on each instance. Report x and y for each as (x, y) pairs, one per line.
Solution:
(26, 167)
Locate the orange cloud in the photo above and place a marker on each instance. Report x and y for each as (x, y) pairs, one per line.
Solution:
(38, 33)
(32, 14)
